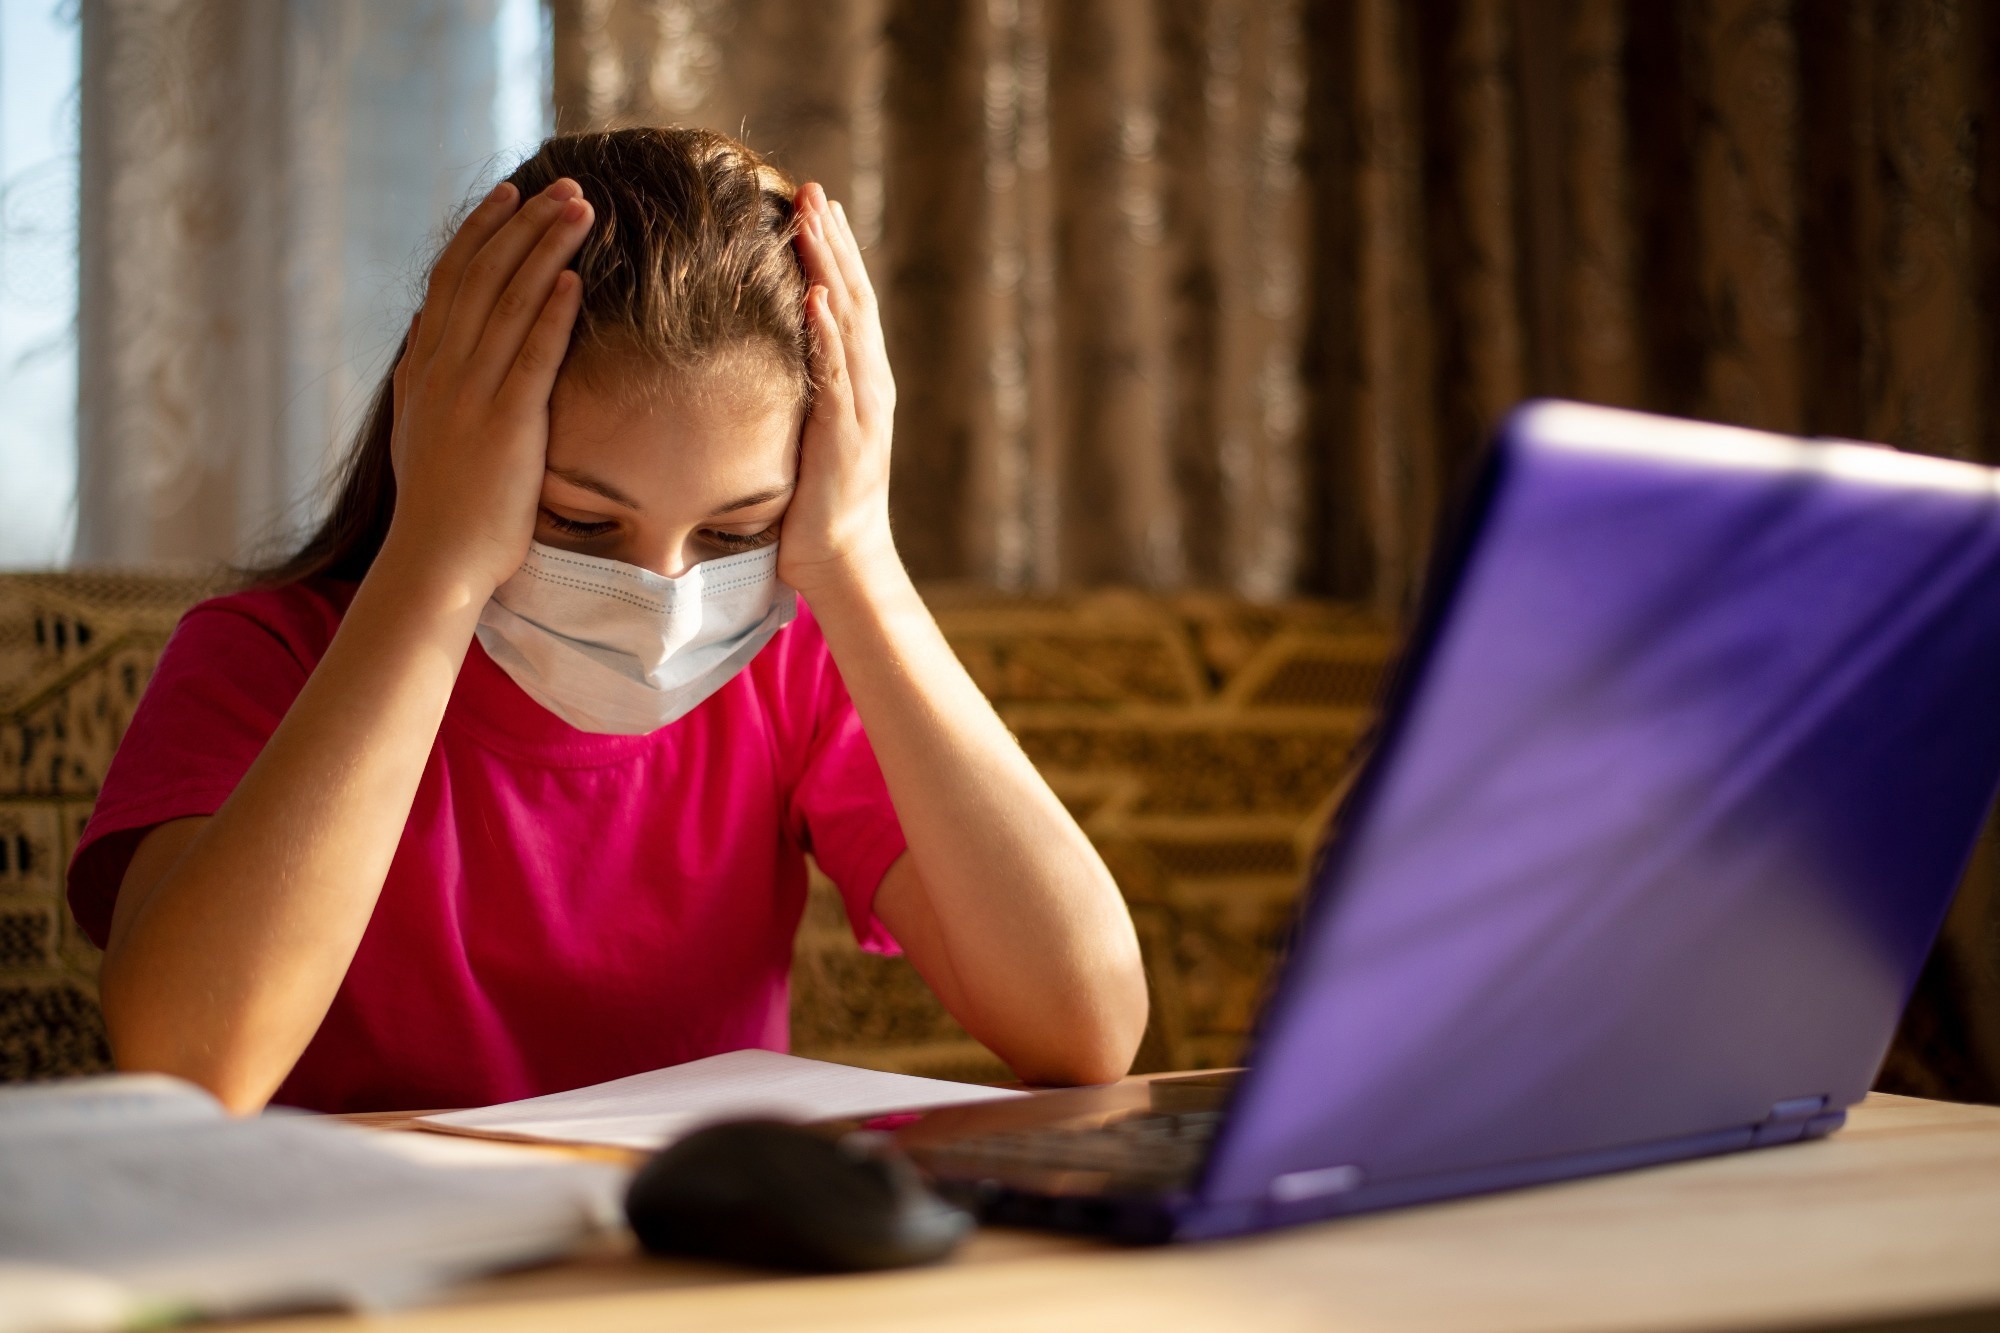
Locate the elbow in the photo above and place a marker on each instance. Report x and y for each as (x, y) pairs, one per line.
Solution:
(1079, 1069)
(143, 1044)
(240, 1092)
(1098, 1041)
(1081, 1061)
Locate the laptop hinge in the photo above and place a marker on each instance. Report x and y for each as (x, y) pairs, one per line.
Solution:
(1787, 1120)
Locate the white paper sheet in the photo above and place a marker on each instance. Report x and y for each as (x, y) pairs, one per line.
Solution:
(136, 1199)
(650, 1110)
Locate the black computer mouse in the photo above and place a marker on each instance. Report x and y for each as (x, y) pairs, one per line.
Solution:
(783, 1196)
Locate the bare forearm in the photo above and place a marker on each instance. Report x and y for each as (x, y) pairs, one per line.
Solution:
(1020, 926)
(224, 968)
(1001, 903)
(231, 937)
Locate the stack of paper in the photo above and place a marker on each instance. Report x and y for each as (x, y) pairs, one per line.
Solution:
(648, 1111)
(137, 1199)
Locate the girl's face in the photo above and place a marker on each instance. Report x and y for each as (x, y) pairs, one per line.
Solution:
(666, 480)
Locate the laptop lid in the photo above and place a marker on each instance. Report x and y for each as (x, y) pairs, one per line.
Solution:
(1686, 757)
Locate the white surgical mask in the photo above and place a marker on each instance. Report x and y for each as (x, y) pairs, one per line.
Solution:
(610, 647)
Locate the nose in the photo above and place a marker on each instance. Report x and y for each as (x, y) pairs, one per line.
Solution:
(671, 556)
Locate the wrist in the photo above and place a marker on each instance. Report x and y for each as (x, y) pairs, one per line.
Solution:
(409, 570)
(868, 575)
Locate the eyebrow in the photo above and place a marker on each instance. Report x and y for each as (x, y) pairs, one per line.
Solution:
(761, 497)
(596, 485)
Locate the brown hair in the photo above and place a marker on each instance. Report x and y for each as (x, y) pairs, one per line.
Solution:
(689, 259)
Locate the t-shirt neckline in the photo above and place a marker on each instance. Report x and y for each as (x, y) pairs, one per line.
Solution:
(489, 707)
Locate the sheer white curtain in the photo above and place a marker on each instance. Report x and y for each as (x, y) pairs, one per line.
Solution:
(262, 180)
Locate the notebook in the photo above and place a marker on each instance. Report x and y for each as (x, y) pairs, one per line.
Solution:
(131, 1200)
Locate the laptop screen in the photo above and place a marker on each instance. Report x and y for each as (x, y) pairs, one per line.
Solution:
(1692, 747)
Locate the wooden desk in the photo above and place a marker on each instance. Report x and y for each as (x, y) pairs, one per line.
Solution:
(1896, 1215)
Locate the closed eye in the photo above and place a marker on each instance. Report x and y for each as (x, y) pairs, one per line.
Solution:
(574, 528)
(737, 541)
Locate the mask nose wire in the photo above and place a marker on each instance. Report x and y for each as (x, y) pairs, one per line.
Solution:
(675, 568)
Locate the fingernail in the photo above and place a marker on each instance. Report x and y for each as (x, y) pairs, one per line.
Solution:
(501, 191)
(564, 189)
(574, 210)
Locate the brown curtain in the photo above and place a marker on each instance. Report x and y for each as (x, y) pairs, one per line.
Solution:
(1226, 293)
(1088, 226)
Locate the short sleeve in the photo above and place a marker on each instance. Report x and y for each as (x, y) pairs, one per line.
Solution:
(840, 807)
(224, 681)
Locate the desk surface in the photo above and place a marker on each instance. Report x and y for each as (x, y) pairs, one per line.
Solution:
(1896, 1215)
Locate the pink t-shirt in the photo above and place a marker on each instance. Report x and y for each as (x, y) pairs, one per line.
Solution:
(564, 907)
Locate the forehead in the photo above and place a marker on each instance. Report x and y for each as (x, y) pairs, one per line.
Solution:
(726, 429)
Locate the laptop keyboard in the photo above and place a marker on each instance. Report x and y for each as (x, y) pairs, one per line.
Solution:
(1152, 1149)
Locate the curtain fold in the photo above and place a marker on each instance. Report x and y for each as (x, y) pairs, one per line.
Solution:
(1227, 293)
(1087, 225)
(260, 181)
(1212, 293)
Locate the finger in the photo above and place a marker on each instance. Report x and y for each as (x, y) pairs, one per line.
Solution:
(477, 229)
(810, 197)
(521, 304)
(488, 272)
(832, 389)
(823, 268)
(875, 346)
(838, 256)
(810, 240)
(532, 377)
(847, 253)
(856, 312)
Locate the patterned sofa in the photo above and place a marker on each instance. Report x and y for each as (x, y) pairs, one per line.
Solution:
(1200, 740)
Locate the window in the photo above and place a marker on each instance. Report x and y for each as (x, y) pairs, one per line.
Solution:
(39, 52)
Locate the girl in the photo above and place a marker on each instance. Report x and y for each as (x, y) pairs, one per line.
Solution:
(503, 783)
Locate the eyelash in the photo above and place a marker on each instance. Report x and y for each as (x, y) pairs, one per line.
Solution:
(729, 540)
(574, 528)
(738, 542)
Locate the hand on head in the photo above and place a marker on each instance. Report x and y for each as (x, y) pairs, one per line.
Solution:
(839, 517)
(472, 387)
(472, 394)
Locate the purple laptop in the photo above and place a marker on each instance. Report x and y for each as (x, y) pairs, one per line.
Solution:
(1684, 761)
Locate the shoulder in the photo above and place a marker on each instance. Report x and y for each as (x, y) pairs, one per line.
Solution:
(254, 647)
(796, 665)
(222, 685)
(296, 619)
(244, 655)
(798, 648)
(796, 685)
